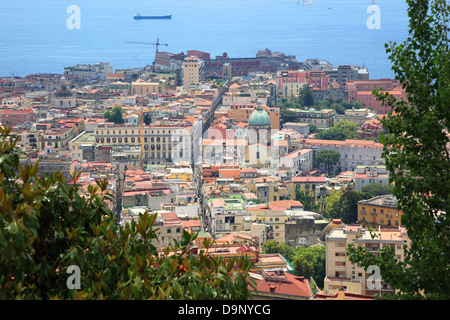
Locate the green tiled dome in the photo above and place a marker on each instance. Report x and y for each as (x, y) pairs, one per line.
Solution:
(259, 117)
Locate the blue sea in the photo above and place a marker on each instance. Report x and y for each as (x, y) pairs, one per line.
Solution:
(35, 37)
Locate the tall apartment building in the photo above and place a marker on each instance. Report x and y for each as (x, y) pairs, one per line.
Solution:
(227, 71)
(193, 71)
(341, 273)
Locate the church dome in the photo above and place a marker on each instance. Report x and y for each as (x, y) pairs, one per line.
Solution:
(259, 117)
(63, 91)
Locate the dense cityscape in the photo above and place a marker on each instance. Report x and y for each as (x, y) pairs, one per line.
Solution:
(227, 147)
(219, 177)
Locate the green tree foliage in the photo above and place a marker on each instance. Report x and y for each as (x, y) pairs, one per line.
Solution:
(47, 225)
(339, 105)
(115, 114)
(328, 158)
(313, 128)
(341, 130)
(302, 267)
(287, 115)
(274, 247)
(307, 261)
(417, 155)
(376, 189)
(323, 104)
(343, 204)
(308, 201)
(315, 255)
(307, 97)
(305, 100)
(340, 109)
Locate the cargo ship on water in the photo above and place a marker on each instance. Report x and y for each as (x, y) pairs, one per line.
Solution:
(138, 16)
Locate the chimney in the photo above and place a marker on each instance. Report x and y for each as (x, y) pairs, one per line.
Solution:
(272, 288)
(341, 294)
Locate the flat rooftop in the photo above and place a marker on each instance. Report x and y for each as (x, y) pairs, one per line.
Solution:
(85, 138)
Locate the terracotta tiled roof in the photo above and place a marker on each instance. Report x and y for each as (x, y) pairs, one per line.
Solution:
(218, 203)
(285, 204)
(284, 284)
(191, 223)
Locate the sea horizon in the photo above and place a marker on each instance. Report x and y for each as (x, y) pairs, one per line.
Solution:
(36, 38)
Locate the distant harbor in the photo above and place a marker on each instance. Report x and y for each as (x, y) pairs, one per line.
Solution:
(45, 44)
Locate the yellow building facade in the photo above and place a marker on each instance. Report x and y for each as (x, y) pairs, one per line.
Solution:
(306, 185)
(144, 87)
(161, 143)
(275, 221)
(380, 211)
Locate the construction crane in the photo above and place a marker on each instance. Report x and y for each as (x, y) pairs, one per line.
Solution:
(157, 44)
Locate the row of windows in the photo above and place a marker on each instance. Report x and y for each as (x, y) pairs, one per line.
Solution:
(389, 222)
(133, 140)
(109, 140)
(164, 155)
(141, 91)
(159, 131)
(381, 211)
(313, 115)
(353, 163)
(152, 139)
(14, 116)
